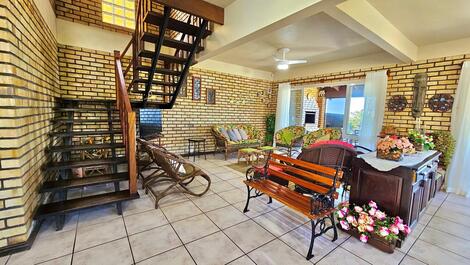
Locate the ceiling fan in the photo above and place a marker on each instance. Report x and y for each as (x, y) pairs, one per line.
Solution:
(283, 63)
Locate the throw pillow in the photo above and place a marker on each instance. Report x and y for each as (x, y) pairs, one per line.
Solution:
(232, 135)
(243, 134)
(237, 133)
(224, 133)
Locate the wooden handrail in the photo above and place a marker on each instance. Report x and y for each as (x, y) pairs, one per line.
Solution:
(128, 122)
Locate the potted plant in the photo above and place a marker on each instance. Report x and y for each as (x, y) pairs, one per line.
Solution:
(445, 143)
(421, 141)
(372, 225)
(270, 124)
(393, 148)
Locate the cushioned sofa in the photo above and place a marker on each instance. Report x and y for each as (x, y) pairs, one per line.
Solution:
(229, 140)
(324, 134)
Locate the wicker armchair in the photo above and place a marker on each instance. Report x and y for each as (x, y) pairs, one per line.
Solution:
(290, 137)
(222, 143)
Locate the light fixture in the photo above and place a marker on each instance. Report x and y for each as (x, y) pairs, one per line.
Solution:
(282, 66)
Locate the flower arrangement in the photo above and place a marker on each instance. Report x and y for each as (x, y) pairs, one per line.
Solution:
(368, 220)
(393, 148)
(421, 141)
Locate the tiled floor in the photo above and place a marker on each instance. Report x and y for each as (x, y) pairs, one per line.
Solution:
(213, 230)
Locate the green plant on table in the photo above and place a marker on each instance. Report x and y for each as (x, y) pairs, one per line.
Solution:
(444, 143)
(426, 141)
(270, 124)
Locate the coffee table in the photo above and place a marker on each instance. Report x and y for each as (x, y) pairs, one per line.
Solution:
(248, 154)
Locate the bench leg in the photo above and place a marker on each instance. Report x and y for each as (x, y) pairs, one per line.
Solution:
(270, 200)
(323, 229)
(312, 239)
(248, 197)
(335, 231)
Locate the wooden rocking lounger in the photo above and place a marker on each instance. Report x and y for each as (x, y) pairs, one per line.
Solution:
(173, 169)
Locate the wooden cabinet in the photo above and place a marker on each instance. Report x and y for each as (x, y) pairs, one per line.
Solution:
(403, 191)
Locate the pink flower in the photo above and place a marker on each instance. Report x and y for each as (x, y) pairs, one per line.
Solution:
(407, 230)
(380, 215)
(373, 204)
(398, 220)
(344, 225)
(383, 231)
(400, 226)
(394, 229)
(341, 214)
(363, 238)
(350, 219)
(358, 209)
(372, 211)
(370, 228)
(345, 209)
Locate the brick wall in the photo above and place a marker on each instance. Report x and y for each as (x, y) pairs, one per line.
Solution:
(443, 74)
(29, 82)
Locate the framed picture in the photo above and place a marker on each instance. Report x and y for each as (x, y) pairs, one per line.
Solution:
(196, 88)
(184, 88)
(210, 96)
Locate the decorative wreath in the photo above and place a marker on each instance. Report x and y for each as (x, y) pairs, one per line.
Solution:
(441, 102)
(397, 103)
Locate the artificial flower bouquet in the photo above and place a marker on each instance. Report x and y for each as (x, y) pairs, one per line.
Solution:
(393, 148)
(369, 221)
(421, 141)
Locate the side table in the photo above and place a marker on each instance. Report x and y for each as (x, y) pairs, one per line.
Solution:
(196, 144)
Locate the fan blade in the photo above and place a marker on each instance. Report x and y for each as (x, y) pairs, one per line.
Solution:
(296, 61)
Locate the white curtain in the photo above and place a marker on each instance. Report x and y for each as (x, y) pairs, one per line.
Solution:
(283, 106)
(375, 90)
(458, 180)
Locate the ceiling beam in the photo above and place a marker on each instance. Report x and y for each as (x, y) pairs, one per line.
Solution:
(246, 20)
(361, 17)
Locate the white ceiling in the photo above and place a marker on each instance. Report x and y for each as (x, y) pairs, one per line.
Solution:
(317, 39)
(427, 21)
(221, 3)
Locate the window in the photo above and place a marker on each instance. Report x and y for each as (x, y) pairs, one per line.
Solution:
(119, 12)
(356, 109)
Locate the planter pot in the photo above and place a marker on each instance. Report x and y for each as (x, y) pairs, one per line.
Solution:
(418, 147)
(374, 240)
(394, 156)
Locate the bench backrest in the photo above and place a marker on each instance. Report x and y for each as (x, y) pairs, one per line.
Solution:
(317, 178)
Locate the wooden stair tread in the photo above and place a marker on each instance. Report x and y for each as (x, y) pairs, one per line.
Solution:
(156, 18)
(167, 94)
(83, 133)
(68, 206)
(154, 82)
(162, 71)
(65, 120)
(163, 57)
(177, 44)
(84, 163)
(83, 110)
(57, 185)
(87, 100)
(68, 148)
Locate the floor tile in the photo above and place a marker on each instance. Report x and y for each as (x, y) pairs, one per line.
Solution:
(408, 260)
(4, 259)
(453, 216)
(144, 221)
(66, 260)
(411, 238)
(458, 208)
(221, 186)
(446, 241)
(227, 216)
(238, 183)
(226, 175)
(180, 211)
(153, 242)
(45, 247)
(299, 239)
(245, 260)
(171, 199)
(248, 235)
(194, 228)
(276, 252)
(137, 206)
(210, 202)
(450, 227)
(342, 256)
(255, 208)
(454, 198)
(277, 223)
(372, 254)
(112, 253)
(92, 235)
(431, 254)
(214, 249)
(177, 256)
(234, 196)
(97, 215)
(48, 226)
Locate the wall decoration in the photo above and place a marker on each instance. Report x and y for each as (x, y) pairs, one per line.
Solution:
(184, 88)
(196, 88)
(441, 102)
(397, 103)
(419, 94)
(210, 96)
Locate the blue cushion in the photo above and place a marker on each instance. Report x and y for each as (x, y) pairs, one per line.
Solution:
(224, 133)
(237, 134)
(243, 134)
(232, 135)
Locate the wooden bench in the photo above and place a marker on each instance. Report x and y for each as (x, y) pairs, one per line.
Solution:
(320, 181)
